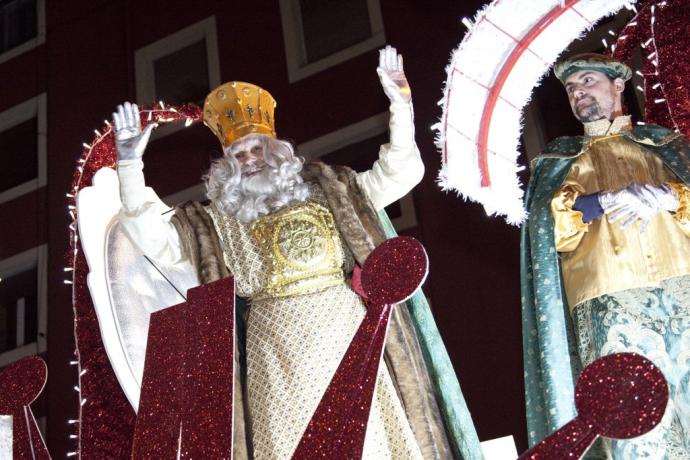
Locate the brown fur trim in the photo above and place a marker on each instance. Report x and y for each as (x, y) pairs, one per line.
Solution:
(408, 369)
(362, 204)
(200, 240)
(185, 229)
(346, 217)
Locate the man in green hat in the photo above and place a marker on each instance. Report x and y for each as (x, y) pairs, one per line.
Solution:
(605, 264)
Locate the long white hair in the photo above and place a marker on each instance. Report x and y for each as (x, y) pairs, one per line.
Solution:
(277, 185)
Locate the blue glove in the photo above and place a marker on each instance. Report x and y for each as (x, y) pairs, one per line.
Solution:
(589, 206)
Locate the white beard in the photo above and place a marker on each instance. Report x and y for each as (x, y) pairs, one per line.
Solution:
(258, 195)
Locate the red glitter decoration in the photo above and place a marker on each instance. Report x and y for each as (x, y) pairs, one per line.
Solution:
(188, 377)
(662, 30)
(394, 270)
(106, 419)
(160, 403)
(619, 396)
(391, 274)
(20, 384)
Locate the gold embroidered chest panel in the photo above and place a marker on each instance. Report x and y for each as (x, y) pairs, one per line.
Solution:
(301, 248)
(294, 250)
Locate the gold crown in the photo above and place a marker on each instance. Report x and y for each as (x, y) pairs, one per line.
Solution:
(236, 109)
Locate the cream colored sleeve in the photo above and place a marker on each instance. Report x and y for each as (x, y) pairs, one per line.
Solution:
(399, 166)
(144, 216)
(569, 228)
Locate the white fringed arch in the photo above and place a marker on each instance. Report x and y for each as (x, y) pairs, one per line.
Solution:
(511, 44)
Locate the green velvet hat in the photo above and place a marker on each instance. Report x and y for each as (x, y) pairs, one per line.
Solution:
(591, 61)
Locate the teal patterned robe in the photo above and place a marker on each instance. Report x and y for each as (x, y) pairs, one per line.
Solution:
(549, 349)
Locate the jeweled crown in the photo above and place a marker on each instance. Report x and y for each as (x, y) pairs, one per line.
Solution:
(236, 109)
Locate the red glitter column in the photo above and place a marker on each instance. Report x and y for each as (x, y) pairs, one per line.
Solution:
(188, 375)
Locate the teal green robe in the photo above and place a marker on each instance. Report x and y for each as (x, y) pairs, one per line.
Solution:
(550, 357)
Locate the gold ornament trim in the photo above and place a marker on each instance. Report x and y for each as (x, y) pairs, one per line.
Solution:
(302, 249)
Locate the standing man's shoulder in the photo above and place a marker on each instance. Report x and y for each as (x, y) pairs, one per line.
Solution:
(561, 148)
(654, 135)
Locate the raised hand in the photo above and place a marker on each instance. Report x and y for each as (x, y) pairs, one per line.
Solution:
(130, 141)
(392, 75)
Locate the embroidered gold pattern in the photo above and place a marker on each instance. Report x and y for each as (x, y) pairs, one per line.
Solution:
(302, 250)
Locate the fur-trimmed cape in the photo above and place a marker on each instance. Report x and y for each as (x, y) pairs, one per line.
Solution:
(359, 225)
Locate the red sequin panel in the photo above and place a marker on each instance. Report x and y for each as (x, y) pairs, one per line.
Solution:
(20, 384)
(188, 375)
(391, 274)
(207, 416)
(157, 429)
(619, 396)
(661, 31)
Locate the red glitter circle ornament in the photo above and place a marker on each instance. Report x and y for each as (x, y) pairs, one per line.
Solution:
(395, 270)
(623, 395)
(620, 396)
(20, 384)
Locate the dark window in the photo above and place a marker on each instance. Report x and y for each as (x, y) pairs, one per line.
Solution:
(360, 156)
(19, 152)
(182, 76)
(332, 25)
(18, 23)
(18, 310)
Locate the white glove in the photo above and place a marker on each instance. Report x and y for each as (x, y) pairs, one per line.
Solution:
(637, 202)
(666, 197)
(392, 76)
(130, 141)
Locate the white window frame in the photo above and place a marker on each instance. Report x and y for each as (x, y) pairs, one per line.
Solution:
(35, 257)
(295, 46)
(145, 57)
(34, 107)
(351, 134)
(39, 39)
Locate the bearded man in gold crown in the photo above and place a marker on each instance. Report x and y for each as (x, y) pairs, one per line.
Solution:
(290, 234)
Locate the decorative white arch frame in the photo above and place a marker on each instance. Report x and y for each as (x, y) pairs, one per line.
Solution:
(511, 44)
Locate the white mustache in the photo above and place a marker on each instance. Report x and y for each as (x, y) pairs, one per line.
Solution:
(251, 170)
(256, 182)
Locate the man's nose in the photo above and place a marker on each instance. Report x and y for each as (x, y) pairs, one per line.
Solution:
(247, 158)
(579, 93)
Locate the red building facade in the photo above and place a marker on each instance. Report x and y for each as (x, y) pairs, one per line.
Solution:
(65, 72)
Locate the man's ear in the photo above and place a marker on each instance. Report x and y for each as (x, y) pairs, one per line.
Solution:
(619, 85)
